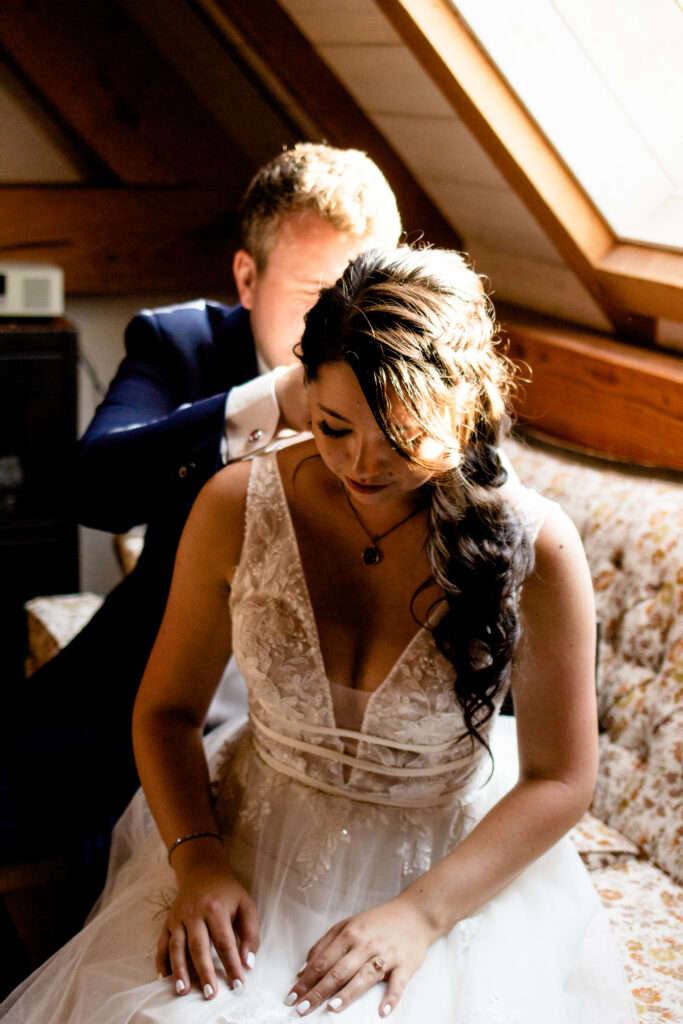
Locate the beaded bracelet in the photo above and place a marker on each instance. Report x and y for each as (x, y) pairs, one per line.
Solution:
(192, 835)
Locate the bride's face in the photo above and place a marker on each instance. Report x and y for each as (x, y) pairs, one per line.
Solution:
(353, 446)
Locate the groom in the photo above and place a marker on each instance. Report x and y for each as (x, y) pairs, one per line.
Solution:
(201, 384)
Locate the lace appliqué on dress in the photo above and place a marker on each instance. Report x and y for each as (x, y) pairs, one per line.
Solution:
(417, 849)
(467, 929)
(259, 1008)
(532, 511)
(333, 822)
(494, 1012)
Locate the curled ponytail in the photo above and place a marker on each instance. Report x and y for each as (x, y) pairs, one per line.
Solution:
(480, 556)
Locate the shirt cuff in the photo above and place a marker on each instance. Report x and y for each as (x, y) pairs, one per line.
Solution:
(251, 417)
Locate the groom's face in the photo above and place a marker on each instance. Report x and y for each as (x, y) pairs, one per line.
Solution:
(308, 254)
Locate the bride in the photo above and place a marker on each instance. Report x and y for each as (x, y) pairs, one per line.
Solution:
(361, 844)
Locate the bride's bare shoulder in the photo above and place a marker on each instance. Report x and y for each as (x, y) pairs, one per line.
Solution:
(228, 486)
(226, 491)
(218, 514)
(292, 458)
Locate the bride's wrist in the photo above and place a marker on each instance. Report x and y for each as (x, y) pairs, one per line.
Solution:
(192, 837)
(432, 915)
(201, 851)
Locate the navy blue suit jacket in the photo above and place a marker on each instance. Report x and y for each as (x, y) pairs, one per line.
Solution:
(152, 444)
(154, 440)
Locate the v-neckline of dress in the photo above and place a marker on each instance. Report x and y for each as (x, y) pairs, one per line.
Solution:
(313, 623)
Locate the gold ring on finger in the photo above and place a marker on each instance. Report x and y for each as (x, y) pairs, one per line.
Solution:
(379, 965)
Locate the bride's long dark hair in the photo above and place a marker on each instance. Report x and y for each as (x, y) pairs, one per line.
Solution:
(416, 326)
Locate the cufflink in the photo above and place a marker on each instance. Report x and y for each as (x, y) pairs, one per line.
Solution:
(255, 436)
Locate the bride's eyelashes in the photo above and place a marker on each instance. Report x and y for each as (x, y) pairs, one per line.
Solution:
(328, 431)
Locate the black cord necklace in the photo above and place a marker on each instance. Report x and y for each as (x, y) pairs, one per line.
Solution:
(373, 553)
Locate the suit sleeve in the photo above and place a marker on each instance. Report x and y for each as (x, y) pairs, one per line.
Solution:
(150, 447)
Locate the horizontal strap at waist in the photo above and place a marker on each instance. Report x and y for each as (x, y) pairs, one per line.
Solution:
(362, 737)
(348, 759)
(359, 795)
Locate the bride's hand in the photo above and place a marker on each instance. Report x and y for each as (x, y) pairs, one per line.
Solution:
(388, 942)
(211, 907)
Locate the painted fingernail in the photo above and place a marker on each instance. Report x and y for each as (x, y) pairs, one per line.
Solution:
(180, 986)
(386, 1010)
(335, 1003)
(303, 1007)
(208, 991)
(250, 959)
(237, 985)
(291, 999)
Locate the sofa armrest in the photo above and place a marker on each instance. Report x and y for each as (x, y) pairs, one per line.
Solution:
(53, 622)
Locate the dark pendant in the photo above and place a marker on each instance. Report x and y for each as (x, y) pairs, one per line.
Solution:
(372, 555)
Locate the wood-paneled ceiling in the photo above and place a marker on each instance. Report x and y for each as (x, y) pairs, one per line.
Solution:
(162, 174)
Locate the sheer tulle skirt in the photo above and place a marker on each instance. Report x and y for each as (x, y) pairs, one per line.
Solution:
(538, 953)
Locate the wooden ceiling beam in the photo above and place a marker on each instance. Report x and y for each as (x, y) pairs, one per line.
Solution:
(267, 32)
(109, 84)
(597, 394)
(645, 279)
(117, 241)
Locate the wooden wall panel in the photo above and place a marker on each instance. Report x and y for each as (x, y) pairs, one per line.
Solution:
(603, 396)
(114, 241)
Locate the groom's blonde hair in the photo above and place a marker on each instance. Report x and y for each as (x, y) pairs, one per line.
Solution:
(344, 186)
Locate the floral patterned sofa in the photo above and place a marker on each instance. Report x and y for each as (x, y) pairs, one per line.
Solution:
(632, 842)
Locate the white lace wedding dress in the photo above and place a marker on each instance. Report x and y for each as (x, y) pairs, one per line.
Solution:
(331, 802)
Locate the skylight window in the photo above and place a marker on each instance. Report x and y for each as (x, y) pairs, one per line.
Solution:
(603, 80)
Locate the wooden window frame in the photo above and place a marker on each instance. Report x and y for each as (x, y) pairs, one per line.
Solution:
(633, 284)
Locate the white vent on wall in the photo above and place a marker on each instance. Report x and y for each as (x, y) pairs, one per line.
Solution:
(37, 292)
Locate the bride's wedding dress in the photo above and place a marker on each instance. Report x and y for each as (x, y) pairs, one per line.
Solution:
(332, 801)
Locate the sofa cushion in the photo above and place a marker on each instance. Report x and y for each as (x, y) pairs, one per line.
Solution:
(600, 846)
(632, 531)
(53, 622)
(645, 910)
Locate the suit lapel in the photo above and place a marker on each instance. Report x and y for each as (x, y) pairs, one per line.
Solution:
(235, 347)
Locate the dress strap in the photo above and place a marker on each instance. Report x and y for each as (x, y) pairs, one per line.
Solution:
(366, 796)
(352, 734)
(532, 510)
(428, 771)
